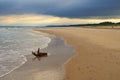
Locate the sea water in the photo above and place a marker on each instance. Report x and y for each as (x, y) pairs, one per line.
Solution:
(15, 44)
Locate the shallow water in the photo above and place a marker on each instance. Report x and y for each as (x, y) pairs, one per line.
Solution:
(52, 67)
(14, 44)
(47, 68)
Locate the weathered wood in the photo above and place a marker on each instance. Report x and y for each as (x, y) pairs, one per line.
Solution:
(39, 54)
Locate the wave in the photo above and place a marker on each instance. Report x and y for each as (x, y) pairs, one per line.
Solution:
(15, 44)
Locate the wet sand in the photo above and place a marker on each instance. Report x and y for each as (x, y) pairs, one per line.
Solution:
(97, 53)
(45, 68)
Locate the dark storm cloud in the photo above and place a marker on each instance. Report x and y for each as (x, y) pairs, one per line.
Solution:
(61, 8)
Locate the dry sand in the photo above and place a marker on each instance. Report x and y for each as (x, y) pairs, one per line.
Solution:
(98, 53)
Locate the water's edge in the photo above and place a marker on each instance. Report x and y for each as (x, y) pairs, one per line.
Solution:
(24, 58)
(66, 57)
(65, 42)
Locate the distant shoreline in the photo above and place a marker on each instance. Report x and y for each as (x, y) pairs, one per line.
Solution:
(105, 24)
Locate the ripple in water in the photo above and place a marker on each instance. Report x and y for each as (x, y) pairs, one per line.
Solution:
(14, 44)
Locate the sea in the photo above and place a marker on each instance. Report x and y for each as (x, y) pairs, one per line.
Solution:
(15, 43)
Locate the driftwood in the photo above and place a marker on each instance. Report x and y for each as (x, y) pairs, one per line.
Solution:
(39, 54)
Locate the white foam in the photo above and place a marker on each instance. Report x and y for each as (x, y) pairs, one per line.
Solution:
(18, 43)
(14, 67)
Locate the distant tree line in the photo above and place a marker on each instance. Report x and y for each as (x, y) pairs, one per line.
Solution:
(77, 25)
(100, 24)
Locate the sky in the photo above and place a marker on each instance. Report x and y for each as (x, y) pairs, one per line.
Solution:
(47, 12)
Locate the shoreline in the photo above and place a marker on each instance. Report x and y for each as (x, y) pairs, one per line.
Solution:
(99, 48)
(35, 69)
(24, 56)
(13, 52)
(25, 60)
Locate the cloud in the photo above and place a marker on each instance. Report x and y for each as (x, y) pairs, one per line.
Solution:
(41, 20)
(62, 8)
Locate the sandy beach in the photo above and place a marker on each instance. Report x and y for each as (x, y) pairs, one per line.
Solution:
(75, 54)
(97, 53)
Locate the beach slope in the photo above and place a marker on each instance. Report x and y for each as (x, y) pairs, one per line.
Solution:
(97, 53)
